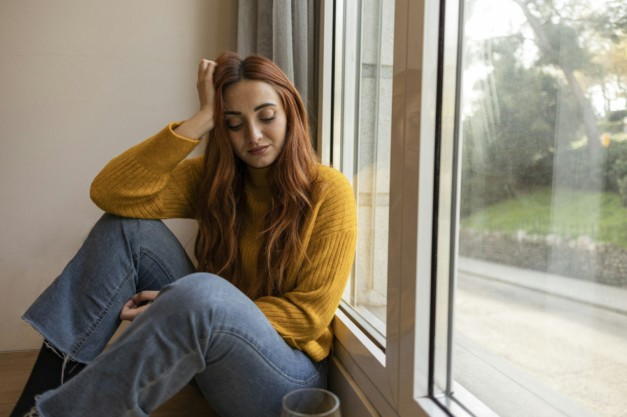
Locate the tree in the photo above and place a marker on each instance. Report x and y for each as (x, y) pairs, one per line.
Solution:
(612, 73)
(509, 134)
(530, 110)
(555, 38)
(611, 22)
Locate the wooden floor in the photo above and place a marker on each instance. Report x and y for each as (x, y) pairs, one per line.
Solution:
(15, 368)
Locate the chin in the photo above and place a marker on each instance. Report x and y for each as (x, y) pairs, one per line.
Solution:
(258, 164)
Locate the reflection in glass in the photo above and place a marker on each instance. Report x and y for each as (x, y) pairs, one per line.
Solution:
(366, 150)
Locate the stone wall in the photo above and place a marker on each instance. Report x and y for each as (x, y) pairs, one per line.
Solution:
(580, 258)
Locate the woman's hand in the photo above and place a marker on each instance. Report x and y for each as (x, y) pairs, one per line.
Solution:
(205, 87)
(202, 122)
(137, 304)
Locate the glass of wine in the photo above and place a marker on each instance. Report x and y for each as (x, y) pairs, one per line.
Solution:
(312, 402)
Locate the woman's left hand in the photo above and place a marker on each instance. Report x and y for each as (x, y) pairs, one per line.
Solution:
(137, 304)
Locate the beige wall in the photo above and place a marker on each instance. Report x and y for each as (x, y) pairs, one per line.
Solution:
(80, 82)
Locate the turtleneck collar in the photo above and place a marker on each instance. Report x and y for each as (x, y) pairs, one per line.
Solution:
(259, 176)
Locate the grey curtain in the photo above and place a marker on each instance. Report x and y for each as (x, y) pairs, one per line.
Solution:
(284, 31)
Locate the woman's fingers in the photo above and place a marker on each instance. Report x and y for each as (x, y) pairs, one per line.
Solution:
(205, 68)
(201, 67)
(144, 296)
(202, 122)
(137, 304)
(130, 313)
(205, 86)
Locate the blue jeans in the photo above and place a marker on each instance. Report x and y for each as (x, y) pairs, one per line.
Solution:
(200, 327)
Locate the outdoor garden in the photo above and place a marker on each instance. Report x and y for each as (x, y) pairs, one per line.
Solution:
(544, 142)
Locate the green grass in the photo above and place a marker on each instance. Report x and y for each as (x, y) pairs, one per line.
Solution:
(566, 213)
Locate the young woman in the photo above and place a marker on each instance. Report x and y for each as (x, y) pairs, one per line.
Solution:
(251, 321)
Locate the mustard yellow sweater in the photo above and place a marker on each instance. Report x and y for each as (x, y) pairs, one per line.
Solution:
(156, 180)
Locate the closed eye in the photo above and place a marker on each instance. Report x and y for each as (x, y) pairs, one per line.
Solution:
(234, 127)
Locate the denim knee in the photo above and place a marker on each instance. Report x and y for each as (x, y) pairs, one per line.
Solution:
(108, 220)
(202, 292)
(110, 223)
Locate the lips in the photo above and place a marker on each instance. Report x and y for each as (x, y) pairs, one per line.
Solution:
(258, 150)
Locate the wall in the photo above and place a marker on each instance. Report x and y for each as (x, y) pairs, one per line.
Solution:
(79, 83)
(571, 257)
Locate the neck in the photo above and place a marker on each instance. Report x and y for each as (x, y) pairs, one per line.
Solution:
(259, 176)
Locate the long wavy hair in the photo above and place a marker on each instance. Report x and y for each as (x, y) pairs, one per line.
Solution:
(221, 197)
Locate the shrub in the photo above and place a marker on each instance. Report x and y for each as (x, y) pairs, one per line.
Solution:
(622, 189)
(616, 160)
(482, 190)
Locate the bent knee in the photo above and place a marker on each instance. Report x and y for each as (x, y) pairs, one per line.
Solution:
(207, 298)
(108, 220)
(202, 290)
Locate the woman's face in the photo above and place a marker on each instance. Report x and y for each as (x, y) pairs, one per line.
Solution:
(255, 121)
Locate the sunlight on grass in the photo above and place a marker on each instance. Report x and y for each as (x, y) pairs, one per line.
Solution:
(566, 213)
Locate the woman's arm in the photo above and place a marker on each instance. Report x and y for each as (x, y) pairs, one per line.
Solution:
(202, 122)
(303, 314)
(153, 179)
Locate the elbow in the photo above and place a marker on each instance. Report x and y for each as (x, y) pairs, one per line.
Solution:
(97, 195)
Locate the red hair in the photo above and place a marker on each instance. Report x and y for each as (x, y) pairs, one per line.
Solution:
(221, 197)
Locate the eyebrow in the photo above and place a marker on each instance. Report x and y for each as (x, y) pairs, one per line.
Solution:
(259, 107)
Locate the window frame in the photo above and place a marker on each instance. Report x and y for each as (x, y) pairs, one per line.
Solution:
(411, 375)
(382, 374)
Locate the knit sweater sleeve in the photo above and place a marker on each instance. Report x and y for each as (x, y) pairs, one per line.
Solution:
(152, 180)
(302, 316)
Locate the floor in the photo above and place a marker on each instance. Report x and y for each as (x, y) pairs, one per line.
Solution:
(15, 368)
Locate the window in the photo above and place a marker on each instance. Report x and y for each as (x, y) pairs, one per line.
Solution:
(537, 293)
(377, 96)
(488, 154)
(365, 97)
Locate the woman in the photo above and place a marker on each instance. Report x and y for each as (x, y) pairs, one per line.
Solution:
(276, 241)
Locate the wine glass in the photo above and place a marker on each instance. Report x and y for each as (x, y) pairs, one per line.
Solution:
(312, 402)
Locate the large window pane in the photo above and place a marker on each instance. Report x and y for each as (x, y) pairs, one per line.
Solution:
(365, 151)
(540, 303)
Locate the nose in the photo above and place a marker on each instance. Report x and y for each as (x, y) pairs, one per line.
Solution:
(253, 133)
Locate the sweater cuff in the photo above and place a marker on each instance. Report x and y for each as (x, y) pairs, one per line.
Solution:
(164, 151)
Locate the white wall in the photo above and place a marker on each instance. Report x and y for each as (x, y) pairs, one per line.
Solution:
(80, 81)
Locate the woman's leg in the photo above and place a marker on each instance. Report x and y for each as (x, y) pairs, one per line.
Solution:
(200, 326)
(47, 373)
(78, 313)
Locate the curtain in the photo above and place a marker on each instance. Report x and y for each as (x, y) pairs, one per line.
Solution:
(284, 31)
